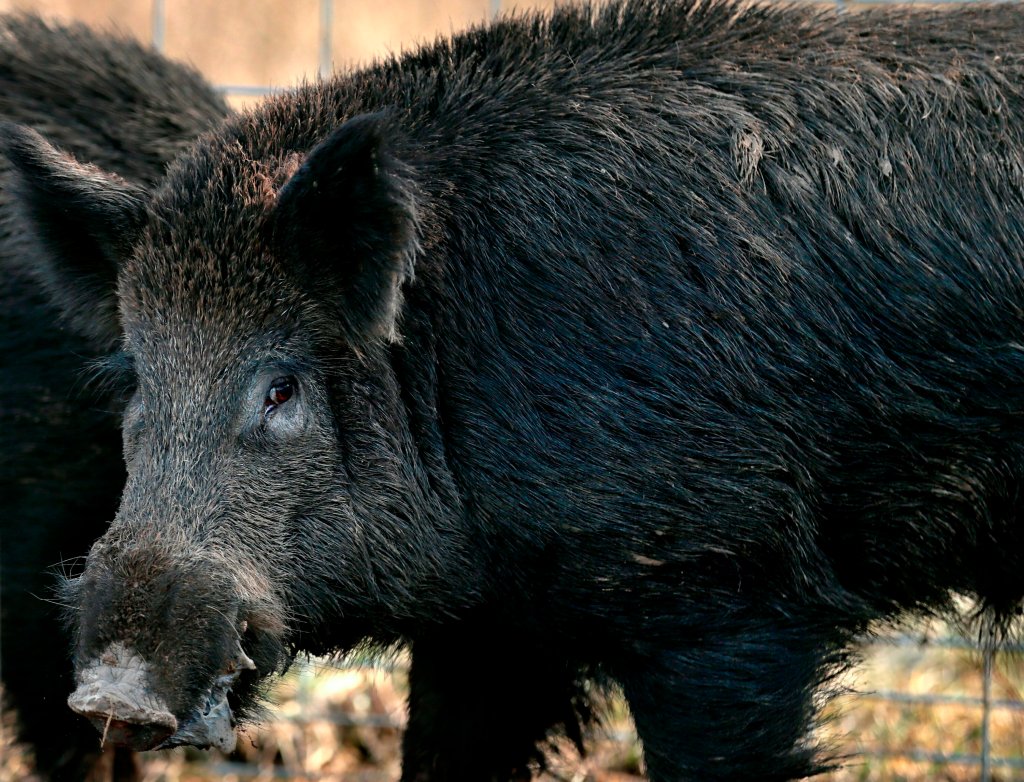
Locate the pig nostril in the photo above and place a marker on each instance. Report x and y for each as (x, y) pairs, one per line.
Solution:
(137, 736)
(126, 724)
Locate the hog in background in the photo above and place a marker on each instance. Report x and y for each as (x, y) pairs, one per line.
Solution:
(124, 107)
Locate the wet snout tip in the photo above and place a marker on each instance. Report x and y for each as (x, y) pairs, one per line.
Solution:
(114, 692)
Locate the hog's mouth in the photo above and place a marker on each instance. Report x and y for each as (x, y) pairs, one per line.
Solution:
(116, 693)
(212, 724)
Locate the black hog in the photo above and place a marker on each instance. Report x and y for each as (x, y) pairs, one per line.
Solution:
(126, 108)
(664, 344)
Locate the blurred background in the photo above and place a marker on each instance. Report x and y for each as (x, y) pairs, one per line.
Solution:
(925, 704)
(250, 46)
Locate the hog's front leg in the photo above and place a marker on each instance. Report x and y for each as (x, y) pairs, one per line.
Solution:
(479, 709)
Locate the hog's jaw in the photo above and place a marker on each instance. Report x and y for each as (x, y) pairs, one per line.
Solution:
(116, 693)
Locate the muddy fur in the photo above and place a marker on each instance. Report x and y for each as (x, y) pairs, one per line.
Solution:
(675, 343)
(114, 103)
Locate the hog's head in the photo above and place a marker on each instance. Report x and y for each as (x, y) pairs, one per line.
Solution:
(275, 502)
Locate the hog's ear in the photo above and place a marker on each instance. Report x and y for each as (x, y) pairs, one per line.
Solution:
(69, 226)
(346, 224)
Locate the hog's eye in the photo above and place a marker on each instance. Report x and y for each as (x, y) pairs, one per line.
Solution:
(280, 391)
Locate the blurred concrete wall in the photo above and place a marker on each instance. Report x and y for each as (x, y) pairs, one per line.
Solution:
(274, 42)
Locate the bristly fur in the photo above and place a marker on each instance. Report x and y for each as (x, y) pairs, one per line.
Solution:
(110, 376)
(708, 354)
(116, 104)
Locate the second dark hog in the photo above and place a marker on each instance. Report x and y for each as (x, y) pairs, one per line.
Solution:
(117, 104)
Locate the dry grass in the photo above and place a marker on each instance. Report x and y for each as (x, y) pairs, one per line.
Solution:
(334, 724)
(864, 723)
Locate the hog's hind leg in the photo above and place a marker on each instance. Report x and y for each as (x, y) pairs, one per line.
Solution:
(733, 706)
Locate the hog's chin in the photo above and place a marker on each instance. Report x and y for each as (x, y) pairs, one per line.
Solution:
(211, 724)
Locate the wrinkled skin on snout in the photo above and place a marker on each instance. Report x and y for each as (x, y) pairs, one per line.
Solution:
(143, 694)
(240, 536)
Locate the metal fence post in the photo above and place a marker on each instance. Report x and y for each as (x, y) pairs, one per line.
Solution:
(986, 698)
(159, 18)
(326, 41)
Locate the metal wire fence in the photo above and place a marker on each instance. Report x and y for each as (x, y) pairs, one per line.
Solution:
(983, 704)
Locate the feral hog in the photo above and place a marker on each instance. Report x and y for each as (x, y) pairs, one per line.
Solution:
(662, 343)
(121, 106)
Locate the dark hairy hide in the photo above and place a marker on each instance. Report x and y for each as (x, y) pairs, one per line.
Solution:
(670, 343)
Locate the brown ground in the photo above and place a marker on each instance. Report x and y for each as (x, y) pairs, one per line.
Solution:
(335, 724)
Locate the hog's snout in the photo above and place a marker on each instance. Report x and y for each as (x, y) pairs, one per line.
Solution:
(115, 692)
(159, 651)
